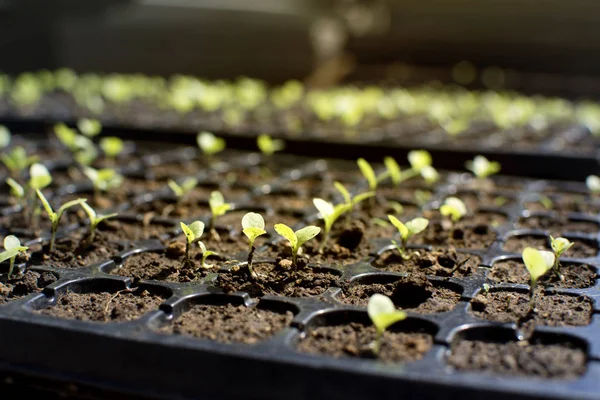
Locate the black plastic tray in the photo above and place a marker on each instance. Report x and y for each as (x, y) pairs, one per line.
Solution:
(131, 357)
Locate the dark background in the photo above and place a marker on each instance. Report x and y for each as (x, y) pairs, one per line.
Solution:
(553, 45)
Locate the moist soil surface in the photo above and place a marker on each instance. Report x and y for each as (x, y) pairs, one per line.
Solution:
(229, 323)
(568, 203)
(551, 309)
(125, 305)
(581, 248)
(439, 262)
(470, 233)
(278, 278)
(556, 361)
(558, 226)
(414, 293)
(124, 229)
(476, 200)
(575, 276)
(72, 251)
(21, 286)
(355, 339)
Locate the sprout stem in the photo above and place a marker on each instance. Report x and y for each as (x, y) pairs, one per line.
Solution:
(11, 267)
(532, 295)
(556, 268)
(324, 241)
(377, 343)
(250, 256)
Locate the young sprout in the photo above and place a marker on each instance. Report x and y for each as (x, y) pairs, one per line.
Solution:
(383, 314)
(104, 179)
(411, 228)
(205, 254)
(67, 136)
(95, 220)
(5, 137)
(419, 159)
(39, 178)
(16, 190)
(16, 160)
(210, 144)
(192, 232)
(454, 208)
(182, 190)
(559, 246)
(12, 248)
(298, 238)
(218, 207)
(55, 216)
(112, 146)
(253, 226)
(393, 170)
(482, 167)
(348, 199)
(89, 127)
(268, 146)
(330, 214)
(538, 263)
(593, 183)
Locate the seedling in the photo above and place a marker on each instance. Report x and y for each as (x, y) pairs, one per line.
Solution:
(89, 127)
(39, 178)
(368, 172)
(482, 167)
(330, 214)
(269, 146)
(393, 170)
(545, 201)
(103, 180)
(210, 144)
(12, 248)
(419, 159)
(538, 263)
(55, 216)
(112, 146)
(411, 228)
(253, 226)
(298, 238)
(192, 232)
(348, 199)
(454, 208)
(383, 314)
(559, 246)
(16, 160)
(218, 207)
(16, 190)
(4, 137)
(83, 149)
(95, 220)
(593, 183)
(182, 190)
(205, 254)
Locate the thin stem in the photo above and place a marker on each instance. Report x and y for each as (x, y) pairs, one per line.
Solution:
(250, 256)
(10, 268)
(294, 258)
(53, 237)
(324, 241)
(377, 344)
(187, 250)
(532, 296)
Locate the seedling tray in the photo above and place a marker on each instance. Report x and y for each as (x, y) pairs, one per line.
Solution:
(139, 357)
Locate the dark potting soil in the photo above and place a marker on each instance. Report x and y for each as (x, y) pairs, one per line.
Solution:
(514, 271)
(552, 309)
(558, 226)
(278, 279)
(21, 286)
(72, 251)
(414, 293)
(355, 339)
(468, 233)
(17, 223)
(548, 361)
(581, 248)
(229, 323)
(439, 262)
(125, 305)
(567, 203)
(125, 229)
(476, 200)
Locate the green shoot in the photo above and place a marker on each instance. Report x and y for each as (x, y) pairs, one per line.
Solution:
(383, 314)
(253, 226)
(89, 127)
(218, 207)
(86, 151)
(538, 263)
(411, 228)
(268, 146)
(482, 167)
(182, 190)
(16, 160)
(545, 201)
(67, 136)
(39, 177)
(192, 232)
(430, 174)
(95, 220)
(298, 238)
(368, 172)
(4, 137)
(393, 170)
(112, 146)
(103, 180)
(12, 248)
(454, 208)
(593, 183)
(210, 144)
(330, 214)
(55, 216)
(205, 254)
(559, 246)
(16, 190)
(419, 159)
(348, 199)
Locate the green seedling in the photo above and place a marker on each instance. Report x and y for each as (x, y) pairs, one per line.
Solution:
(67, 136)
(218, 207)
(383, 314)
(184, 189)
(253, 226)
(55, 216)
(419, 159)
(205, 254)
(559, 246)
(89, 127)
(330, 214)
(393, 170)
(538, 263)
(5, 137)
(593, 184)
(454, 208)
(16, 160)
(103, 180)
(269, 146)
(12, 248)
(192, 232)
(17, 191)
(95, 220)
(545, 201)
(112, 146)
(368, 173)
(210, 144)
(298, 238)
(39, 178)
(351, 200)
(83, 149)
(411, 228)
(482, 167)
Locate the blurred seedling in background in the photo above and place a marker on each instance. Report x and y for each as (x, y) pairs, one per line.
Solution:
(16, 160)
(482, 168)
(218, 207)
(12, 248)
(5, 137)
(454, 208)
(104, 180)
(593, 184)
(89, 127)
(210, 144)
(268, 146)
(112, 146)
